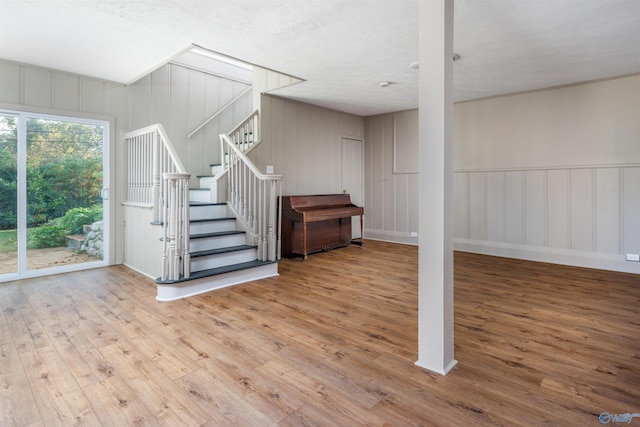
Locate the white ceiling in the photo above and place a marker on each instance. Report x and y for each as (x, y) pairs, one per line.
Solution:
(342, 48)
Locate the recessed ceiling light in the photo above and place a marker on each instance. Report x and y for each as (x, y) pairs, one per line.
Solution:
(384, 84)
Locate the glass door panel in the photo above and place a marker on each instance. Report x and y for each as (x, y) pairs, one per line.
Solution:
(64, 171)
(53, 217)
(8, 194)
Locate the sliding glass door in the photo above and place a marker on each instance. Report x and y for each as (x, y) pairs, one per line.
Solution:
(52, 194)
(8, 194)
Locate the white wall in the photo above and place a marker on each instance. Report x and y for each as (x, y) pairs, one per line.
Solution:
(302, 142)
(551, 175)
(35, 89)
(392, 193)
(181, 99)
(265, 80)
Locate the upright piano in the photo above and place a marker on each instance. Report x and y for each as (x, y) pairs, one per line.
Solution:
(315, 223)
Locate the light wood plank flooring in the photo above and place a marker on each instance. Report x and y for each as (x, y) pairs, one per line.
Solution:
(331, 341)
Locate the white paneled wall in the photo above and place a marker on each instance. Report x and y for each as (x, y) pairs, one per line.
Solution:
(392, 209)
(303, 143)
(181, 99)
(587, 216)
(551, 175)
(36, 89)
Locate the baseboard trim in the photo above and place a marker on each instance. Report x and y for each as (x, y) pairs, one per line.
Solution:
(601, 261)
(442, 371)
(175, 291)
(390, 236)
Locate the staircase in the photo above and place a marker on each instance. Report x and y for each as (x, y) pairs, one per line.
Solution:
(221, 252)
(206, 245)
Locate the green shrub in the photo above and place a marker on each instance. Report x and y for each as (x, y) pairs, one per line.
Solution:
(53, 233)
(46, 236)
(75, 218)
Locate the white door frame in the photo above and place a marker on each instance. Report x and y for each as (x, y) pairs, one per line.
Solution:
(22, 271)
(359, 200)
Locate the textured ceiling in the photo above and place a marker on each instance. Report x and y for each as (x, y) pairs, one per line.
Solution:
(341, 48)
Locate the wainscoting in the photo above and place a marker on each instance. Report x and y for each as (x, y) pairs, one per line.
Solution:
(583, 216)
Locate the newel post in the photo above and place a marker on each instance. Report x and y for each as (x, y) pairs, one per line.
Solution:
(272, 221)
(176, 226)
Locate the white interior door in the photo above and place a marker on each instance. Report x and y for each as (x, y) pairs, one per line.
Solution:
(352, 177)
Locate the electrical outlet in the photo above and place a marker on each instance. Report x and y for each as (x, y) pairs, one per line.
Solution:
(414, 234)
(633, 257)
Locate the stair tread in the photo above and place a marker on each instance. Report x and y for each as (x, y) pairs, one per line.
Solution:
(205, 176)
(199, 189)
(216, 234)
(191, 203)
(216, 271)
(221, 251)
(226, 218)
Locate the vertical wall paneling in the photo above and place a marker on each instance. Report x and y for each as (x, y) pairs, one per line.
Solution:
(91, 96)
(139, 103)
(413, 195)
(607, 211)
(631, 213)
(478, 206)
(582, 209)
(535, 208)
(66, 92)
(558, 209)
(495, 206)
(515, 192)
(567, 161)
(38, 89)
(11, 87)
(196, 111)
(461, 205)
(303, 142)
(160, 96)
(181, 99)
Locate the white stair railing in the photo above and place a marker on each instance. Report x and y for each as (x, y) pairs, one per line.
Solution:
(255, 198)
(156, 178)
(246, 134)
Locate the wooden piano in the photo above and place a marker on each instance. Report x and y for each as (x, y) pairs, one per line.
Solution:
(318, 223)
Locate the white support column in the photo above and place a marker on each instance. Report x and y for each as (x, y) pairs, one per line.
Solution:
(435, 277)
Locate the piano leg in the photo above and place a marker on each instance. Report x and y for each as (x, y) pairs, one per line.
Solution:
(304, 239)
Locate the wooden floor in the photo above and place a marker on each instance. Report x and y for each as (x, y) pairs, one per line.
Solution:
(331, 341)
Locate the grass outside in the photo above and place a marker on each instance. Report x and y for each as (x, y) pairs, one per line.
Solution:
(8, 241)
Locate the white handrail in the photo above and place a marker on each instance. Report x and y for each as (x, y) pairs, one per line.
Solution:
(217, 113)
(157, 178)
(253, 196)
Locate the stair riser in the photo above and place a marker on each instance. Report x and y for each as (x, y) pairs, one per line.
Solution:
(217, 242)
(215, 169)
(207, 212)
(219, 260)
(172, 292)
(199, 196)
(211, 227)
(206, 182)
